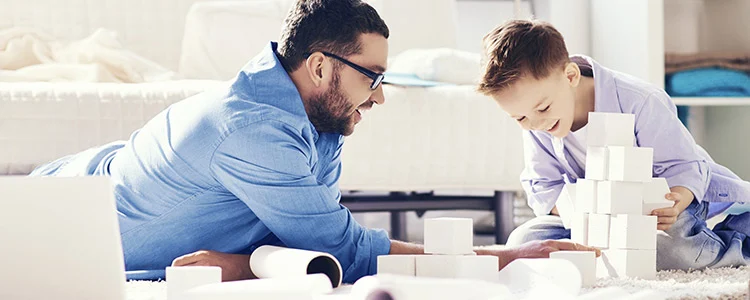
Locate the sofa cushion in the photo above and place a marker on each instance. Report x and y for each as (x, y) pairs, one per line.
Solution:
(221, 36)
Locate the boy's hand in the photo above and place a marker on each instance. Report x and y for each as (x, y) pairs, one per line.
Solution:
(682, 197)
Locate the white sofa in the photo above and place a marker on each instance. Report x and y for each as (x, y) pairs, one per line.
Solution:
(423, 139)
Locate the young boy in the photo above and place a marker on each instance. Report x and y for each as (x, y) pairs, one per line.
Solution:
(550, 94)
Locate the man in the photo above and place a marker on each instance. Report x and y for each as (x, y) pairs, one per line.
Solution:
(258, 162)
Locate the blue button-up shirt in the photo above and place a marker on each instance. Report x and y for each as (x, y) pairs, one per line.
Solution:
(676, 155)
(233, 169)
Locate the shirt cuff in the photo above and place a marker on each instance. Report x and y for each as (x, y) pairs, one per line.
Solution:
(381, 245)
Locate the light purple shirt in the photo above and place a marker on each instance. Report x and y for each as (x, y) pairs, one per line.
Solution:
(676, 155)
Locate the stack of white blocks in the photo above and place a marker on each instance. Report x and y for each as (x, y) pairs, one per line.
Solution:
(610, 208)
(448, 247)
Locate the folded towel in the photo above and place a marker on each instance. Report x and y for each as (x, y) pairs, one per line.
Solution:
(411, 80)
(711, 82)
(676, 62)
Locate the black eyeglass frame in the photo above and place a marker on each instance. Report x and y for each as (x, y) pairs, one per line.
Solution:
(377, 78)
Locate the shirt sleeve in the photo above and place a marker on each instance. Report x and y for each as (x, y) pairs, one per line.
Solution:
(676, 156)
(542, 177)
(268, 166)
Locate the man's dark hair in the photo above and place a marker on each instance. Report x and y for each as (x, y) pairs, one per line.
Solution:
(326, 25)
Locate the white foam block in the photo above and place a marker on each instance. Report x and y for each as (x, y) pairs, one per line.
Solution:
(610, 129)
(181, 279)
(566, 204)
(397, 264)
(579, 228)
(597, 163)
(627, 263)
(483, 267)
(448, 236)
(653, 195)
(619, 197)
(632, 232)
(585, 261)
(586, 195)
(630, 164)
(599, 230)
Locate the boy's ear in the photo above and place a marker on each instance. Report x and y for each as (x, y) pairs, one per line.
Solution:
(572, 73)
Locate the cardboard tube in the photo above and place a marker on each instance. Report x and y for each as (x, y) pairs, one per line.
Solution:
(279, 262)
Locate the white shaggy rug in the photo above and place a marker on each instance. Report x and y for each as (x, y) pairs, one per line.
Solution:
(723, 283)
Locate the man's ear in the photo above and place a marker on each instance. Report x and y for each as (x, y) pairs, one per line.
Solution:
(572, 73)
(315, 65)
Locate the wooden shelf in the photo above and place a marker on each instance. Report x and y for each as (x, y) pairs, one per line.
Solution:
(711, 101)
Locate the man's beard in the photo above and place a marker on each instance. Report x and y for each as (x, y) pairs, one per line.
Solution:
(331, 111)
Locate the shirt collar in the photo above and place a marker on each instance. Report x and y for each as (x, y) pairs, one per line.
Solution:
(605, 87)
(267, 82)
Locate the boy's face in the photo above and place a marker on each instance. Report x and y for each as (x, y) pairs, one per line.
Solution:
(546, 104)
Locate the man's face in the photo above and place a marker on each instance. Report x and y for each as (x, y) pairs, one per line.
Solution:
(543, 105)
(348, 95)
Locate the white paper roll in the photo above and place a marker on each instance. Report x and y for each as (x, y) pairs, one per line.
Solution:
(293, 287)
(279, 262)
(400, 287)
(542, 277)
(181, 279)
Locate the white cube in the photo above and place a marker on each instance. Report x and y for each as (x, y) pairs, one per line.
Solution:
(586, 195)
(449, 236)
(627, 263)
(398, 264)
(181, 279)
(566, 203)
(619, 197)
(610, 129)
(599, 230)
(579, 228)
(483, 267)
(597, 163)
(585, 261)
(654, 193)
(631, 164)
(632, 232)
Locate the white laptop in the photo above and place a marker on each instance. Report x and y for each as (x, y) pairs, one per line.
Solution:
(59, 239)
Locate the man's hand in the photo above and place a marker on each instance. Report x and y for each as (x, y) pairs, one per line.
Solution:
(535, 249)
(682, 197)
(233, 266)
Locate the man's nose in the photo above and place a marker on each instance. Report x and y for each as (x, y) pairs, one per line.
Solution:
(377, 96)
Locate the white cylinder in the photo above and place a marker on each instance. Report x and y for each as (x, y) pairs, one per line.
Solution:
(291, 288)
(181, 279)
(274, 262)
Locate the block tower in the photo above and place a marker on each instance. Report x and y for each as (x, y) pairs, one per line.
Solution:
(609, 208)
(449, 253)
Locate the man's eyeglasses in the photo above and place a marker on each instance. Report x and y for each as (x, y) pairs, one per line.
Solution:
(377, 78)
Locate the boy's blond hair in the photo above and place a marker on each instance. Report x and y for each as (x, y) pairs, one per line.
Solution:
(521, 48)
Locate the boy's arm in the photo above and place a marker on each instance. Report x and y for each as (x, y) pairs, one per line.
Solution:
(542, 177)
(676, 156)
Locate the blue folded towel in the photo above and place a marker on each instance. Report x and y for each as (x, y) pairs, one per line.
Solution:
(404, 79)
(709, 82)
